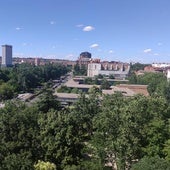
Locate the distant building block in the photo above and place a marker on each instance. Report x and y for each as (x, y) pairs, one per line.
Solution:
(6, 56)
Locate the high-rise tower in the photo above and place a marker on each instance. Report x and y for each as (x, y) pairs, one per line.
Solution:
(84, 59)
(6, 55)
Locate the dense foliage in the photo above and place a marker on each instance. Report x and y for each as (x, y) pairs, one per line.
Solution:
(150, 163)
(80, 70)
(103, 82)
(41, 165)
(157, 83)
(137, 67)
(91, 134)
(65, 89)
(97, 132)
(26, 77)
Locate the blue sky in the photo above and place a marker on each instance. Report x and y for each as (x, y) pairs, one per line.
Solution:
(114, 30)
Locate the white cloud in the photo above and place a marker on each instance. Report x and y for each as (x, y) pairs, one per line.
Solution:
(148, 50)
(111, 52)
(88, 28)
(79, 25)
(94, 46)
(52, 22)
(18, 28)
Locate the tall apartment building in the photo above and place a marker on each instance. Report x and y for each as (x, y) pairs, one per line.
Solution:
(6, 56)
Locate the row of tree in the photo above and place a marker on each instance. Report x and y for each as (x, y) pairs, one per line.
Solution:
(79, 70)
(26, 77)
(65, 89)
(92, 134)
(157, 82)
(103, 82)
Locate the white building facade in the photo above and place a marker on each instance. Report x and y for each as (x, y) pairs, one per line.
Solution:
(161, 65)
(95, 69)
(168, 75)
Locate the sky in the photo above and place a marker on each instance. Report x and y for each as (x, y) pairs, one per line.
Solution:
(113, 30)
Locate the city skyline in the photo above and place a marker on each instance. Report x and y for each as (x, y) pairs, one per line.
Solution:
(113, 30)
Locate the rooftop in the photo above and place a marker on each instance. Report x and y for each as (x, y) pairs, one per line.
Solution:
(73, 84)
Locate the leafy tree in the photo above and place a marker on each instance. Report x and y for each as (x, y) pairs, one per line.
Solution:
(64, 89)
(105, 84)
(19, 131)
(166, 150)
(80, 70)
(111, 76)
(18, 161)
(83, 70)
(75, 90)
(96, 81)
(128, 129)
(100, 76)
(137, 67)
(6, 91)
(24, 77)
(107, 124)
(88, 80)
(41, 165)
(150, 163)
(76, 69)
(166, 91)
(84, 111)
(155, 81)
(95, 90)
(60, 138)
(133, 78)
(47, 102)
(157, 127)
(3, 77)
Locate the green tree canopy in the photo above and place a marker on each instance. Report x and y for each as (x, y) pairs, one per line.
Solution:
(19, 131)
(150, 163)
